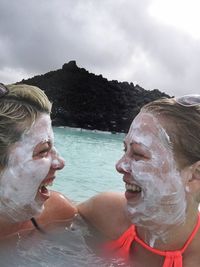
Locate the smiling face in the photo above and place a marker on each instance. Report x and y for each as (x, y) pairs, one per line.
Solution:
(154, 187)
(32, 164)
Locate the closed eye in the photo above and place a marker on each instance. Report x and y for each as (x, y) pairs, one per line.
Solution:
(138, 156)
(135, 151)
(42, 150)
(139, 153)
(44, 153)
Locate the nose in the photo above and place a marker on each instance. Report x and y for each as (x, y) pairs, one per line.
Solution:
(61, 163)
(123, 165)
(58, 162)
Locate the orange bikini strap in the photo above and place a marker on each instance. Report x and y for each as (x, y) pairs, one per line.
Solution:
(172, 258)
(192, 235)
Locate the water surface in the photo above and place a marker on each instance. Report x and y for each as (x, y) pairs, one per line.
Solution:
(90, 162)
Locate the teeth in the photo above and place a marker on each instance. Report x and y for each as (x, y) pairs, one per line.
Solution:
(133, 187)
(46, 184)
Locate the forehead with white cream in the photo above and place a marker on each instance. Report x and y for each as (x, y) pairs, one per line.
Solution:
(145, 128)
(40, 132)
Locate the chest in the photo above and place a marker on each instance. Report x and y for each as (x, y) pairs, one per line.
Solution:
(140, 257)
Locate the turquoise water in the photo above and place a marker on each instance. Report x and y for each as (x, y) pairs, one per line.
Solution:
(90, 162)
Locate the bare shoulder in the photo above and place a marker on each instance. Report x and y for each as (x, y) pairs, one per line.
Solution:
(57, 208)
(107, 212)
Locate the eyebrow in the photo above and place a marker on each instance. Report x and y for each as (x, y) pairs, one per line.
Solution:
(141, 149)
(133, 143)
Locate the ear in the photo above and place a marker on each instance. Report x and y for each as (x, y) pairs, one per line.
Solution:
(196, 170)
(194, 181)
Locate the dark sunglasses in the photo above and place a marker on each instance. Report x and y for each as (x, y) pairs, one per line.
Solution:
(188, 100)
(3, 90)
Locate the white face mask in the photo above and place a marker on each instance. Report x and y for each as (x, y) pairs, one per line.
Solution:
(20, 181)
(162, 201)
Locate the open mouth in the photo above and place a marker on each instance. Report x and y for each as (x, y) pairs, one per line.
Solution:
(43, 190)
(132, 191)
(133, 188)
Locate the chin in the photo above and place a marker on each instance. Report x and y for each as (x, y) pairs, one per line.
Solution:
(132, 213)
(37, 209)
(29, 211)
(137, 217)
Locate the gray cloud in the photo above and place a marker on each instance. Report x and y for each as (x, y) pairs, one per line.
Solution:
(117, 38)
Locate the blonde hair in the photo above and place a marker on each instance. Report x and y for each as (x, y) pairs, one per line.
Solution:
(183, 127)
(18, 111)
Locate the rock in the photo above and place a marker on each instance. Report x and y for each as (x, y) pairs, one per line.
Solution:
(71, 65)
(85, 100)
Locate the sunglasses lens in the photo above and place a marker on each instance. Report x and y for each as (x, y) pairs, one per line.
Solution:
(188, 100)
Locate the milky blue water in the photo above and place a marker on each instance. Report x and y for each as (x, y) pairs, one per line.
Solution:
(90, 162)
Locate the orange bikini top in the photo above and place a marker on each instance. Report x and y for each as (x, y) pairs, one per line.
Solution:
(122, 246)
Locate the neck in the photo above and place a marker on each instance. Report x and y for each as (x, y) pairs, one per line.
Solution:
(169, 237)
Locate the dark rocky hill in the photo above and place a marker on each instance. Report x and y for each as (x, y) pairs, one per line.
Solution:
(85, 100)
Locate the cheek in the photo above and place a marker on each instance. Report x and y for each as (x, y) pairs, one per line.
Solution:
(21, 183)
(147, 168)
(30, 173)
(37, 169)
(151, 172)
(163, 163)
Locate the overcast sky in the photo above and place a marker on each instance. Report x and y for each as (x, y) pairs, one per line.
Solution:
(153, 43)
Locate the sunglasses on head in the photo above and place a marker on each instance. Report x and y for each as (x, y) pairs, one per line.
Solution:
(3, 90)
(188, 100)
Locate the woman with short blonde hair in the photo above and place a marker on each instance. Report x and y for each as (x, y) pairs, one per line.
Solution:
(28, 162)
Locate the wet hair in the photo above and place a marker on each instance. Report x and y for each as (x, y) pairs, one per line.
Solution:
(18, 111)
(183, 127)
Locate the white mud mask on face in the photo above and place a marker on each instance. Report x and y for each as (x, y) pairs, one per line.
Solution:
(20, 181)
(162, 201)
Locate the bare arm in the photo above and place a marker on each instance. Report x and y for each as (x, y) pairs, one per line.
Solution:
(57, 208)
(106, 212)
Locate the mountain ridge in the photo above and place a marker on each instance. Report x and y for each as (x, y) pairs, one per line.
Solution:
(86, 100)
